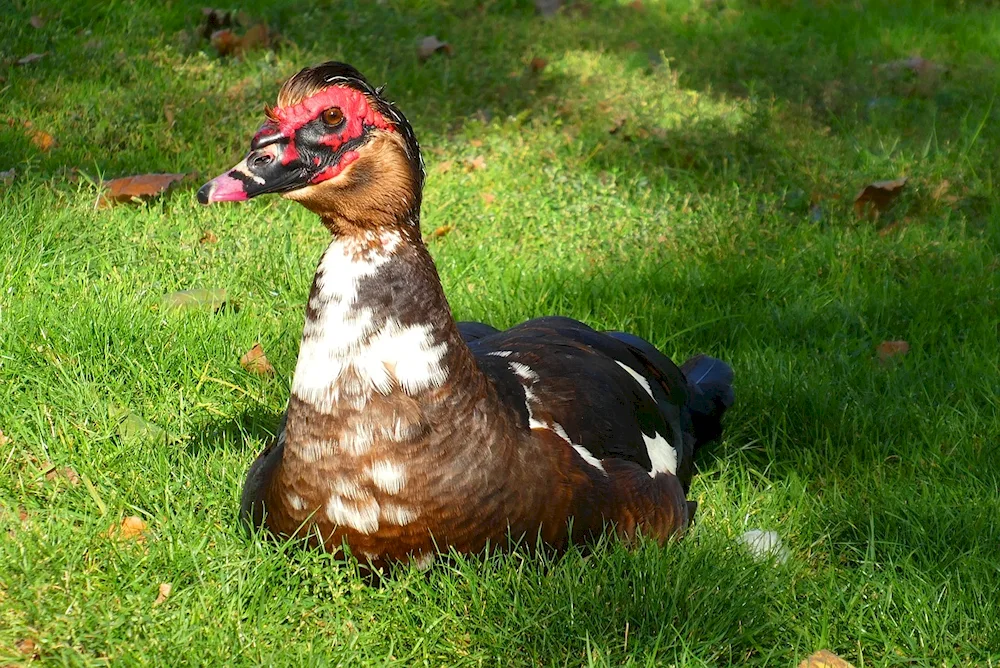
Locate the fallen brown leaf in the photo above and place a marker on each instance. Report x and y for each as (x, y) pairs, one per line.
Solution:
(43, 140)
(538, 64)
(257, 36)
(137, 188)
(824, 659)
(168, 115)
(22, 514)
(637, 5)
(226, 42)
(131, 528)
(255, 361)
(208, 238)
(430, 45)
(27, 647)
(66, 473)
(877, 197)
(889, 349)
(476, 143)
(443, 230)
(488, 198)
(472, 164)
(163, 594)
(444, 167)
(31, 58)
(4, 440)
(37, 22)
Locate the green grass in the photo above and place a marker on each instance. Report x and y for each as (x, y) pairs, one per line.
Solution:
(718, 219)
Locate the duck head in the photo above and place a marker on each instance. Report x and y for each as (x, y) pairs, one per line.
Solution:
(333, 144)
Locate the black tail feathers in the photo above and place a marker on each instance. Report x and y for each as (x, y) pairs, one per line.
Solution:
(710, 393)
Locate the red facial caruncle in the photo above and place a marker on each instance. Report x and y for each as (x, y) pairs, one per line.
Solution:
(358, 115)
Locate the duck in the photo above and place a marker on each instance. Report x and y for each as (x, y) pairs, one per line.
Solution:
(408, 435)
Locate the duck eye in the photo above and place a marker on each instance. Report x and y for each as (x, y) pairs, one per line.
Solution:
(333, 116)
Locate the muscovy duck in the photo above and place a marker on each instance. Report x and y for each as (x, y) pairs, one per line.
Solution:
(408, 434)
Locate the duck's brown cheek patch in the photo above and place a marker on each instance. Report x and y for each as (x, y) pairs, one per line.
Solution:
(335, 170)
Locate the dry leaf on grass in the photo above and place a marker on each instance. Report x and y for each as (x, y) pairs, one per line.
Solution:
(225, 42)
(444, 167)
(139, 188)
(4, 440)
(196, 299)
(430, 45)
(889, 349)
(473, 164)
(538, 64)
(228, 43)
(488, 198)
(31, 58)
(27, 647)
(163, 593)
(256, 362)
(131, 528)
(208, 237)
(37, 22)
(43, 140)
(878, 197)
(64, 473)
(257, 36)
(441, 231)
(824, 659)
(637, 5)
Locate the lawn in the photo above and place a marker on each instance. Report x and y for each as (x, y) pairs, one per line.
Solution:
(681, 169)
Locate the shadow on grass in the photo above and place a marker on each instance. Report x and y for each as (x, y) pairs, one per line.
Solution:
(256, 425)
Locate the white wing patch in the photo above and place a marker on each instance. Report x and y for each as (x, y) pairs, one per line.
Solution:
(528, 376)
(638, 377)
(661, 454)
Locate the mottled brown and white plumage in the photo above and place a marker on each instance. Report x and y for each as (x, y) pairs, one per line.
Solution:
(407, 433)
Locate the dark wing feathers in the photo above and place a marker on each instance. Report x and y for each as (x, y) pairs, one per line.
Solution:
(578, 381)
(471, 331)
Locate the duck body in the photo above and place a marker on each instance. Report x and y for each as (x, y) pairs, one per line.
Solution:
(408, 434)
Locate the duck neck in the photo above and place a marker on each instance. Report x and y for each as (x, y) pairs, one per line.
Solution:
(380, 350)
